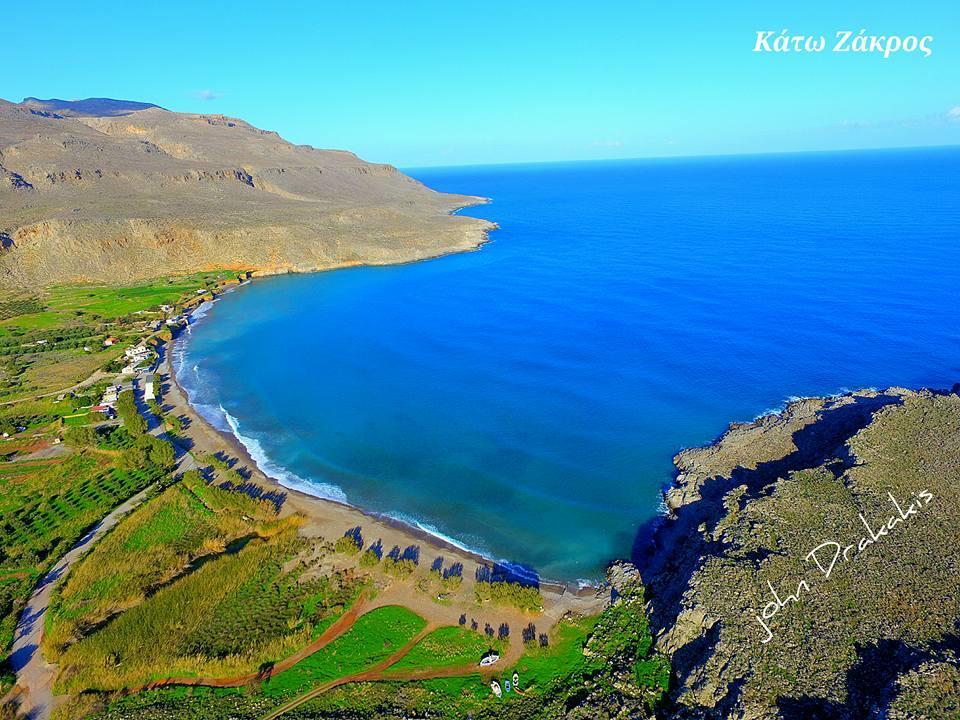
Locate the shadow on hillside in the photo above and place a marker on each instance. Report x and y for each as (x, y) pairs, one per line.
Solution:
(872, 681)
(668, 551)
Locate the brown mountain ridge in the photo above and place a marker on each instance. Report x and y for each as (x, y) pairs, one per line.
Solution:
(103, 190)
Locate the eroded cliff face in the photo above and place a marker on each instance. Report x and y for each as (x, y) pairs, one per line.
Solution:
(99, 192)
(755, 625)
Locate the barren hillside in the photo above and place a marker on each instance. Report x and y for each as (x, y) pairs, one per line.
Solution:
(102, 190)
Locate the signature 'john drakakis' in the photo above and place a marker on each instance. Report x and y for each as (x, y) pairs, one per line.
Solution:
(827, 554)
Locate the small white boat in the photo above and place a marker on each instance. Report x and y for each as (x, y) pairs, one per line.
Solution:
(516, 681)
(495, 686)
(489, 659)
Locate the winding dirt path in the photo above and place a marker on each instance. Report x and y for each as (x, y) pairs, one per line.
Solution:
(400, 594)
(372, 673)
(381, 673)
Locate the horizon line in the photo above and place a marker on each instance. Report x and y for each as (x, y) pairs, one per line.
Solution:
(692, 156)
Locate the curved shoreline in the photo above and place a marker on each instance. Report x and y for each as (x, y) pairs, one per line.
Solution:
(312, 505)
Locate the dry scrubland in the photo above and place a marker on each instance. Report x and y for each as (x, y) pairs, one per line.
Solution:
(880, 635)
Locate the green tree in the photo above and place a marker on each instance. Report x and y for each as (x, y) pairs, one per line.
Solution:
(160, 453)
(400, 568)
(127, 410)
(135, 457)
(149, 452)
(346, 544)
(369, 559)
(174, 423)
(80, 436)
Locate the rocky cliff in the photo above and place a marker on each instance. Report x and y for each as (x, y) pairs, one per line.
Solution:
(810, 569)
(101, 190)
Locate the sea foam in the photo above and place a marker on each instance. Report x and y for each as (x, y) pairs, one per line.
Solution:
(326, 491)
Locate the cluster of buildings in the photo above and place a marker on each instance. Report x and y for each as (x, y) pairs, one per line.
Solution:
(135, 356)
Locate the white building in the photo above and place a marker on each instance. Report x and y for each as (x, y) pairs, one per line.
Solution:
(138, 354)
(110, 395)
(149, 392)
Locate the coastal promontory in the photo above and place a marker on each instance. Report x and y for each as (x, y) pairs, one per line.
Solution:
(97, 189)
(810, 566)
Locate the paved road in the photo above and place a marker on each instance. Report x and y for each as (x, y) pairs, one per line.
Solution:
(34, 675)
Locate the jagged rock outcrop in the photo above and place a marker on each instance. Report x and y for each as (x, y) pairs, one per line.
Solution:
(755, 624)
(101, 190)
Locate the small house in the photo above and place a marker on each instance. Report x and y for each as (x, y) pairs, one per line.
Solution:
(149, 391)
(104, 410)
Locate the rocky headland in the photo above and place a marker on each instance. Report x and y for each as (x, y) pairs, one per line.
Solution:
(100, 190)
(809, 567)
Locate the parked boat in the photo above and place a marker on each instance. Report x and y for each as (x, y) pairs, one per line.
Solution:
(489, 659)
(495, 686)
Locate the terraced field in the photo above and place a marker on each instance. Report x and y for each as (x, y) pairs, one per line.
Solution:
(46, 508)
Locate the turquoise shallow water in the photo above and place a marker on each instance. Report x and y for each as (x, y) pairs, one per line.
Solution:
(526, 399)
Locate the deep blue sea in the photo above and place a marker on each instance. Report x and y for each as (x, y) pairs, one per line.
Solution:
(526, 399)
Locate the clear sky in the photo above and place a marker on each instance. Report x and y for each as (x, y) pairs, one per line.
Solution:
(419, 83)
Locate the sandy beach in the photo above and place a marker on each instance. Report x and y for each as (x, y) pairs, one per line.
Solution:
(330, 520)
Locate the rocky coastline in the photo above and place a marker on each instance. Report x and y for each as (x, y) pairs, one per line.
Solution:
(732, 559)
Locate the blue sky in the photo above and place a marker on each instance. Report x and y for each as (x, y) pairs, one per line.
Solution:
(422, 83)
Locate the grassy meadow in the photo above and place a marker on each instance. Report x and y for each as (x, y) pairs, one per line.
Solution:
(448, 647)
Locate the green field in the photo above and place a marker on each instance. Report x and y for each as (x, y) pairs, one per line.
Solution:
(541, 666)
(43, 339)
(448, 647)
(152, 546)
(373, 638)
(234, 610)
(112, 302)
(39, 320)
